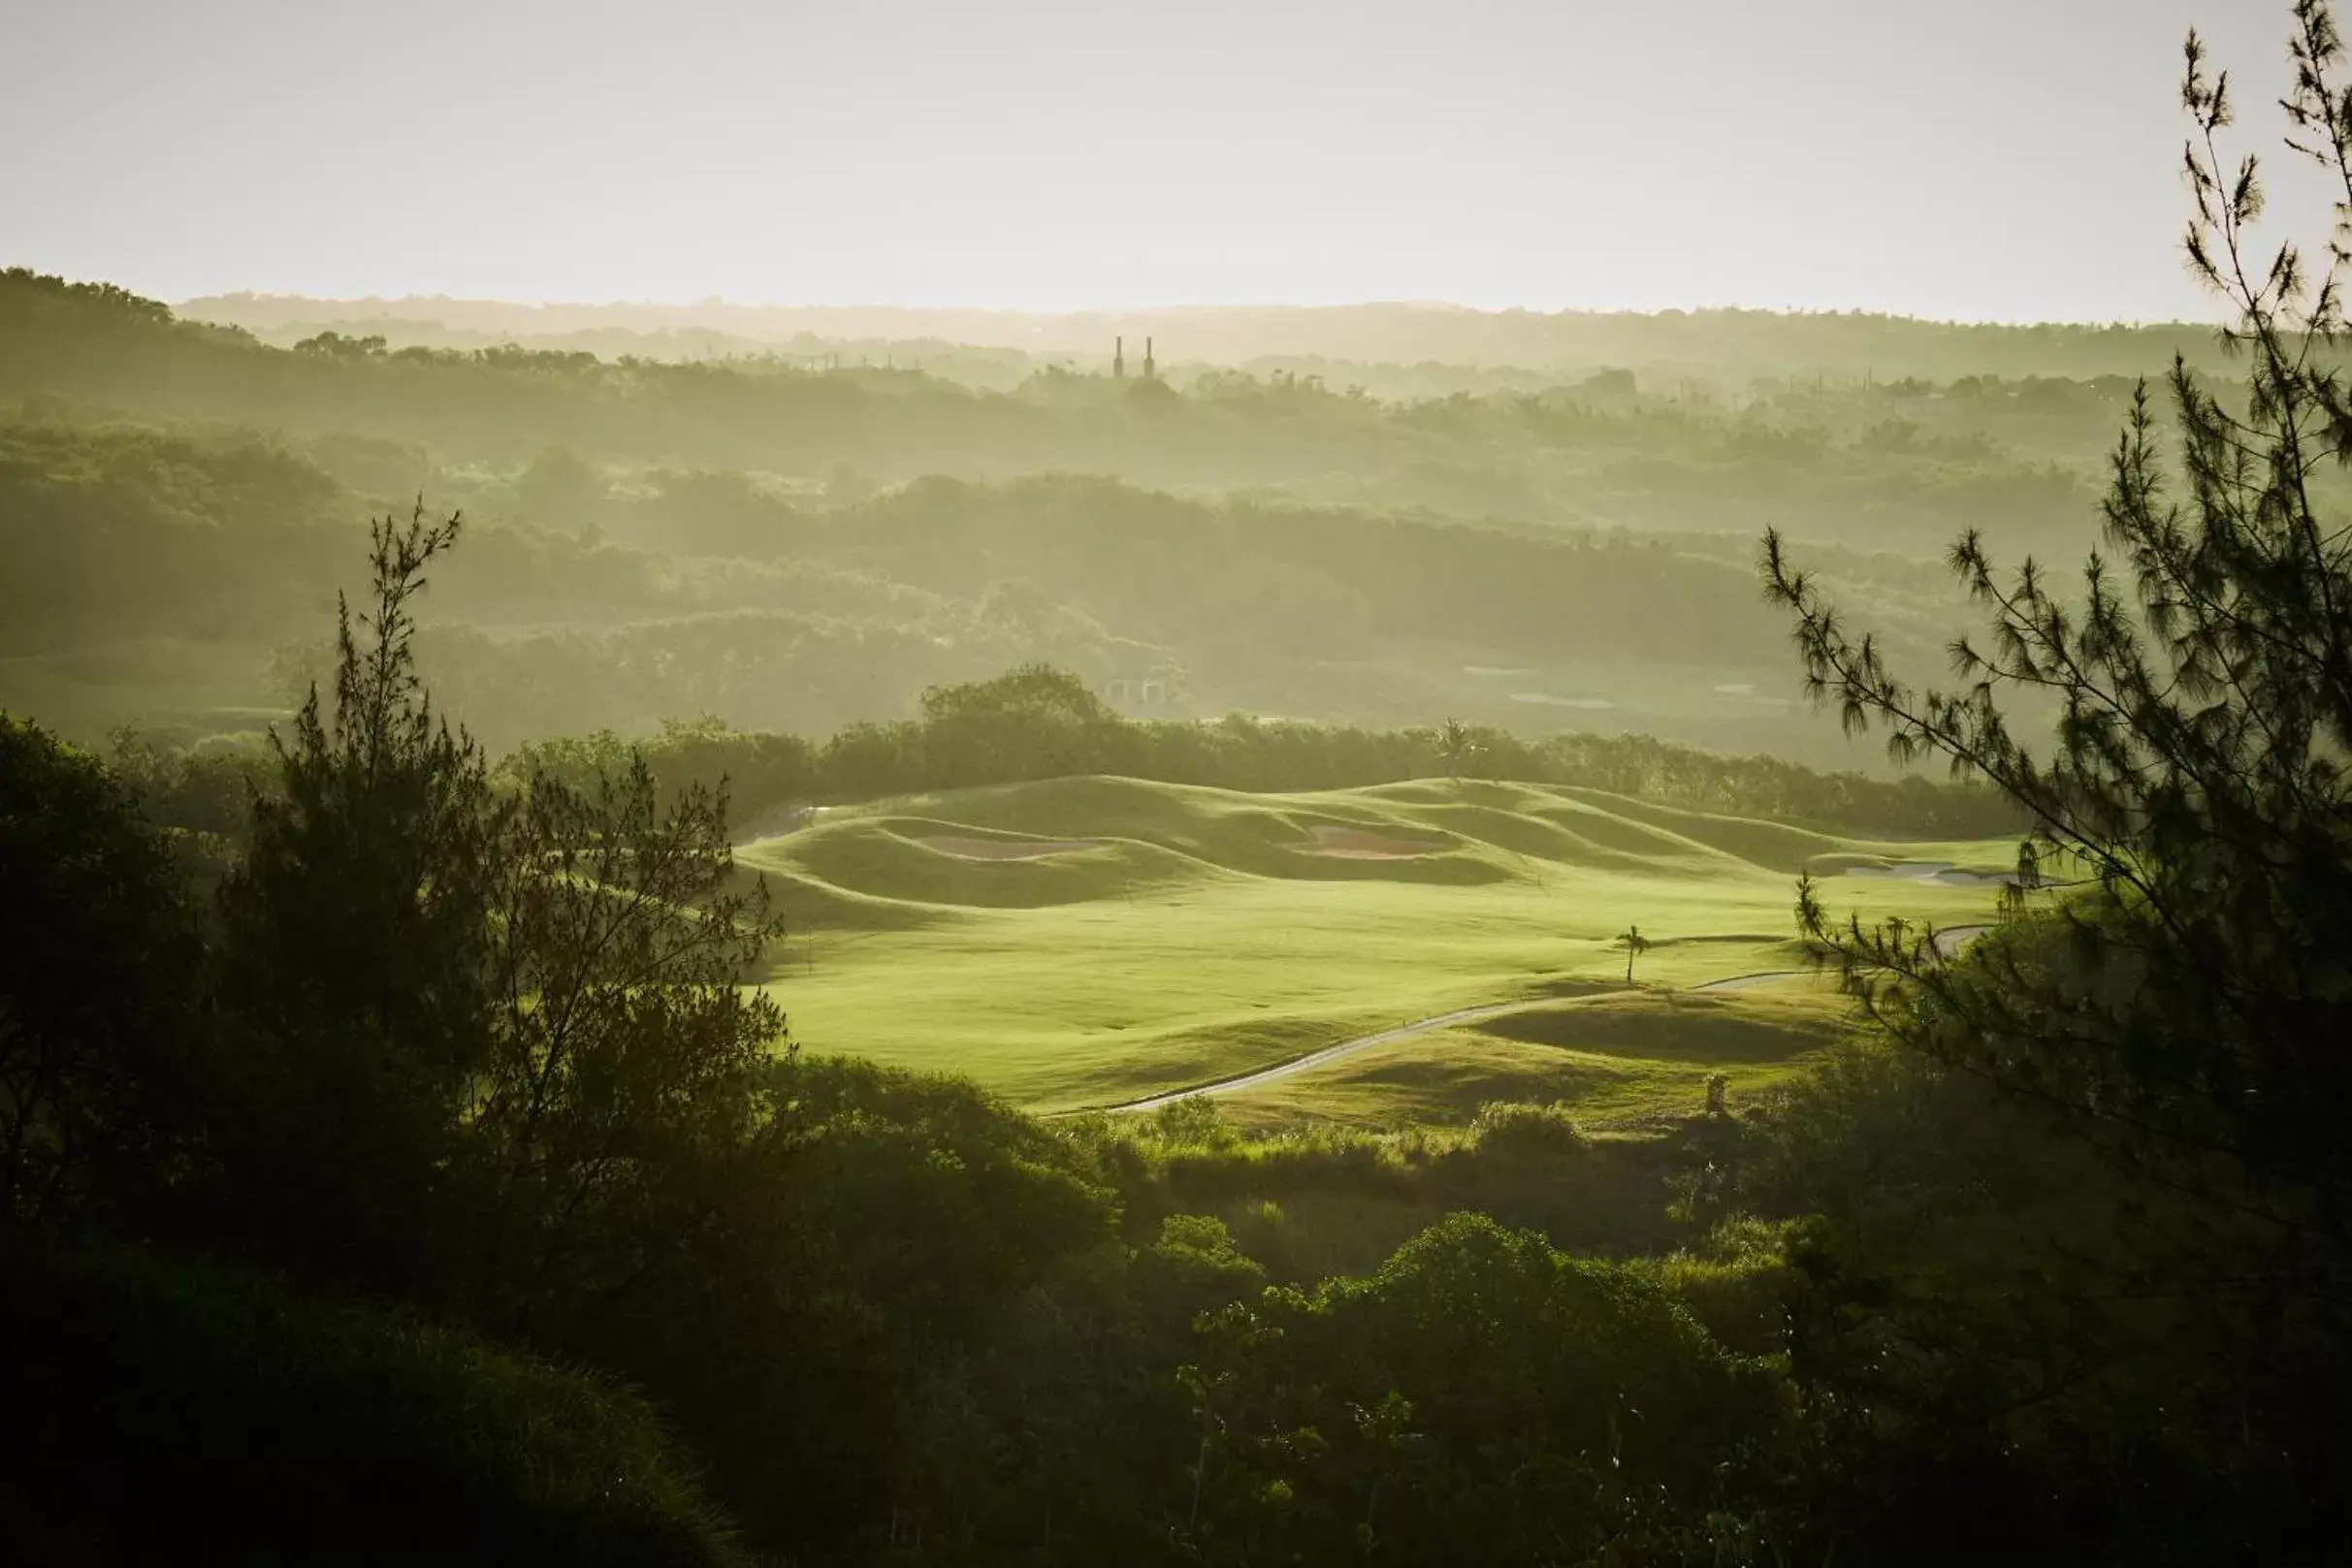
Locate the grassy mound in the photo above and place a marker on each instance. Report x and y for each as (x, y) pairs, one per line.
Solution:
(1621, 1059)
(1132, 938)
(915, 860)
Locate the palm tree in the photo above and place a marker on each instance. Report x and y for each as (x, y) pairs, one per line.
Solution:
(1633, 942)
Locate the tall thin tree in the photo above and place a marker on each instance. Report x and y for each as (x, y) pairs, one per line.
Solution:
(2194, 1004)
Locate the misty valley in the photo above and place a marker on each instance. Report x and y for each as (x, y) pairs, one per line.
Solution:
(1313, 934)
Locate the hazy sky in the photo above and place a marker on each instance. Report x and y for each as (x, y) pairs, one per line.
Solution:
(2002, 159)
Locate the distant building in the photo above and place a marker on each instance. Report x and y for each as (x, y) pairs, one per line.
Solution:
(1118, 361)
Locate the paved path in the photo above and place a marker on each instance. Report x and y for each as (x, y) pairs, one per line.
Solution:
(1349, 1047)
(1948, 941)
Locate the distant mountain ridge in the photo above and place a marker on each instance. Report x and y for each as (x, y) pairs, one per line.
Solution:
(1706, 342)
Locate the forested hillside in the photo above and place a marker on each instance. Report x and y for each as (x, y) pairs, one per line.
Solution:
(1891, 465)
(1725, 350)
(780, 546)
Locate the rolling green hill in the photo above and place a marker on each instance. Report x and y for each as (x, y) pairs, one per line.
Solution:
(1086, 942)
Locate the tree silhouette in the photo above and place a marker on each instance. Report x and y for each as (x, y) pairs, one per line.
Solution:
(1457, 748)
(353, 941)
(99, 961)
(500, 1032)
(2194, 1002)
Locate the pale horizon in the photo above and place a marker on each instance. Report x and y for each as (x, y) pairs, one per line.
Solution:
(2004, 162)
(1148, 307)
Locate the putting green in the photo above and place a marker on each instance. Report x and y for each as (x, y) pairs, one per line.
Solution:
(1131, 938)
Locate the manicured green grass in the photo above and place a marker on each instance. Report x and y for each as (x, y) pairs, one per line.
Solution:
(1619, 1059)
(1196, 938)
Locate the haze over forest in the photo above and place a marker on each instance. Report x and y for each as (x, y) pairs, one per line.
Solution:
(807, 535)
(912, 785)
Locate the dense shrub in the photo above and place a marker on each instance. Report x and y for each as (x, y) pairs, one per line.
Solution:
(190, 1413)
(99, 975)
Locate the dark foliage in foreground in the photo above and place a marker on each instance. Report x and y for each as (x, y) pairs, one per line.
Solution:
(190, 1413)
(92, 1069)
(2184, 1021)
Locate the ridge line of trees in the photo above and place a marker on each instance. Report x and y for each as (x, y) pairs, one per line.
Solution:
(1037, 722)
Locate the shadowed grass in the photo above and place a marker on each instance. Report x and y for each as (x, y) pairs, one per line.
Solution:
(1617, 1059)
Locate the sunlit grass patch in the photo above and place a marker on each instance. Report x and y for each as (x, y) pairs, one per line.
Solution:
(1194, 938)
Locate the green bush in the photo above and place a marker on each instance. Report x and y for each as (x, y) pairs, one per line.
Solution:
(1513, 1132)
(186, 1413)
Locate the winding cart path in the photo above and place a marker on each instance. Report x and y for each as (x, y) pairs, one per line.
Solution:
(1948, 941)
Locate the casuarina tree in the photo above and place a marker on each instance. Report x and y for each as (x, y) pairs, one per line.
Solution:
(2192, 1006)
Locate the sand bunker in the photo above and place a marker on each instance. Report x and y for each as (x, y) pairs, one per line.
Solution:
(1362, 843)
(1003, 849)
